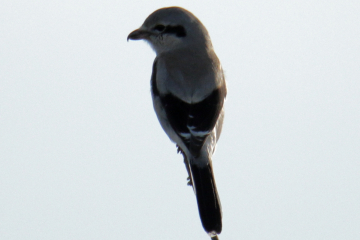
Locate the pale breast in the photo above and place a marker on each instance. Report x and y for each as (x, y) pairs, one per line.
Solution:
(189, 80)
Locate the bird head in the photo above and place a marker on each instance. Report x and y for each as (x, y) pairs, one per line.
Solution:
(172, 28)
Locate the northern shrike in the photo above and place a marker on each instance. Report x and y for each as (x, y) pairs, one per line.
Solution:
(188, 91)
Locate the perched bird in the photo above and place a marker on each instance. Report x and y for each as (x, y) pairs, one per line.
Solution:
(188, 91)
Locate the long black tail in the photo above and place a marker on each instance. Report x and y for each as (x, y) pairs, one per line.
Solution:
(207, 198)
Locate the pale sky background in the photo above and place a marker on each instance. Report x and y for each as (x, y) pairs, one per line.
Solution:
(82, 155)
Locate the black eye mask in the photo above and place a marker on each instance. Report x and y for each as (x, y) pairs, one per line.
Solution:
(159, 28)
(178, 30)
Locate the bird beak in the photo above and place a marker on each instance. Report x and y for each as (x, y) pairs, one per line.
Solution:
(139, 34)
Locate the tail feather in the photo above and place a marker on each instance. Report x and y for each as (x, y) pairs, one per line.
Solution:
(207, 198)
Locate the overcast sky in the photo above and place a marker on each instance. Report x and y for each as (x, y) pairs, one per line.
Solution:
(82, 155)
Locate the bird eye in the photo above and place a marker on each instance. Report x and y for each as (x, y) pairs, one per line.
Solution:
(159, 28)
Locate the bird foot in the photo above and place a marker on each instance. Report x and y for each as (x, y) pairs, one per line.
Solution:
(189, 181)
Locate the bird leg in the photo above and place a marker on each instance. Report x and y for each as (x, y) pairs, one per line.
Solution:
(186, 162)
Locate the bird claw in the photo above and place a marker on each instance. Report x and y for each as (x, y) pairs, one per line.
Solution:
(179, 150)
(189, 181)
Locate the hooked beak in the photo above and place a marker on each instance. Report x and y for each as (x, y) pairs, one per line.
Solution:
(139, 34)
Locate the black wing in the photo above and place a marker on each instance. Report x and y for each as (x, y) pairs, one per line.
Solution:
(192, 122)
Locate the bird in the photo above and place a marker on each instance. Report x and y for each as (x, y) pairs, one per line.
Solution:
(188, 91)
